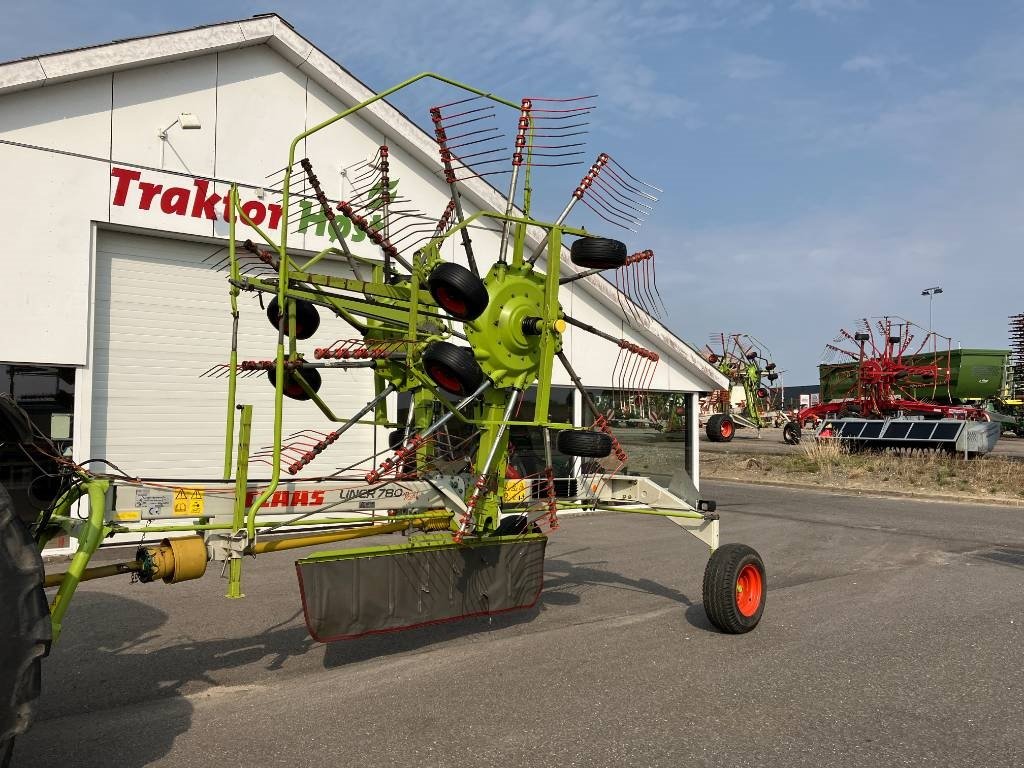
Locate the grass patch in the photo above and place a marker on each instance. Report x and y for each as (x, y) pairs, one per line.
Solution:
(828, 464)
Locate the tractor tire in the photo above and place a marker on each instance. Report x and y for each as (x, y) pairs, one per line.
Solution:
(292, 388)
(454, 369)
(458, 291)
(598, 253)
(720, 428)
(581, 442)
(735, 588)
(791, 433)
(25, 631)
(307, 318)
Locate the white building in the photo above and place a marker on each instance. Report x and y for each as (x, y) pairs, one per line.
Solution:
(109, 305)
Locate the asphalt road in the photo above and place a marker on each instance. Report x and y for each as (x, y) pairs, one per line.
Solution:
(892, 636)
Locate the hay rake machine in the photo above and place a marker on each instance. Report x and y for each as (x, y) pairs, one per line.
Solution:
(880, 406)
(464, 341)
(747, 363)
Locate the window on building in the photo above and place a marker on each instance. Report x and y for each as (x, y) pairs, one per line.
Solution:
(526, 444)
(47, 394)
(653, 428)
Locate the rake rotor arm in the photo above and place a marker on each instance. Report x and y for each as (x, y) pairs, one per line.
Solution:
(591, 329)
(325, 206)
(587, 399)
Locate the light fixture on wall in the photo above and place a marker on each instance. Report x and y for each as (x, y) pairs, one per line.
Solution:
(188, 122)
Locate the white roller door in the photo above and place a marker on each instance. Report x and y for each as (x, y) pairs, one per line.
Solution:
(162, 318)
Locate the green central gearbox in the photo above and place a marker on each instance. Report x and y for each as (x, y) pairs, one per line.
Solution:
(507, 337)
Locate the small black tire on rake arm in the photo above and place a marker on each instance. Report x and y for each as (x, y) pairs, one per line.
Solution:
(458, 291)
(292, 388)
(25, 630)
(581, 442)
(396, 438)
(791, 433)
(454, 369)
(735, 588)
(598, 253)
(307, 318)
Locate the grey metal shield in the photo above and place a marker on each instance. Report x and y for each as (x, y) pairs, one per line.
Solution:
(348, 593)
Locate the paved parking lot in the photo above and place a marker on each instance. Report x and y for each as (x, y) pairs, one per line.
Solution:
(892, 636)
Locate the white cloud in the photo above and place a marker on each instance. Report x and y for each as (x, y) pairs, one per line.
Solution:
(876, 64)
(592, 43)
(744, 66)
(830, 7)
(758, 15)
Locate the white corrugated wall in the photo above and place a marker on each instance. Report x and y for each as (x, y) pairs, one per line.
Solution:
(162, 318)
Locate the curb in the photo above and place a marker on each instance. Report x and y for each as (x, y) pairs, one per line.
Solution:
(987, 501)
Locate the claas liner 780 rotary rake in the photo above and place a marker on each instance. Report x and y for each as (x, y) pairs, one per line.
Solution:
(465, 344)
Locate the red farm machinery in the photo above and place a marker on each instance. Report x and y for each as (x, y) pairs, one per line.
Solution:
(888, 385)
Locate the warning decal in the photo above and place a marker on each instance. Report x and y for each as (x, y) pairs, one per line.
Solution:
(189, 502)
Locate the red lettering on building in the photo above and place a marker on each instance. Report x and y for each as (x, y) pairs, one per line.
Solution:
(149, 191)
(175, 200)
(124, 181)
(202, 206)
(197, 203)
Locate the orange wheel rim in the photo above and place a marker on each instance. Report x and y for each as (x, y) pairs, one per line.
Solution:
(749, 589)
(726, 429)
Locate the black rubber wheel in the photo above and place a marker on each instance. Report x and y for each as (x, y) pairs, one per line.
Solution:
(25, 631)
(762, 393)
(791, 433)
(396, 438)
(582, 442)
(720, 428)
(598, 253)
(292, 388)
(454, 369)
(458, 291)
(307, 318)
(515, 525)
(735, 588)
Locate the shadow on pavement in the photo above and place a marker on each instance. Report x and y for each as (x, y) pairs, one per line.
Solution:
(105, 665)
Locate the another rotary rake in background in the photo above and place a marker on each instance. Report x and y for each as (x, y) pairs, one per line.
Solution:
(886, 398)
(464, 343)
(747, 363)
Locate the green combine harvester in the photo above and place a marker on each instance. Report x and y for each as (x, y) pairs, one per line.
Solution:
(464, 343)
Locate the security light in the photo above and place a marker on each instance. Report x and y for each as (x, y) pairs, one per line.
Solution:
(188, 121)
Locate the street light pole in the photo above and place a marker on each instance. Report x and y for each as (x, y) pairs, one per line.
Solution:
(930, 293)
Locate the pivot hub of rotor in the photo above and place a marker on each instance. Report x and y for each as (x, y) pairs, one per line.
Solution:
(508, 337)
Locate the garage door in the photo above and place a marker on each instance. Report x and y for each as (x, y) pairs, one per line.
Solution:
(162, 319)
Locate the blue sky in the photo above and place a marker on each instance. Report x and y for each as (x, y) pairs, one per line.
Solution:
(821, 160)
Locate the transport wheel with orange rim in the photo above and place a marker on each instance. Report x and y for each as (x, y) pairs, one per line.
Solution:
(735, 588)
(720, 428)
